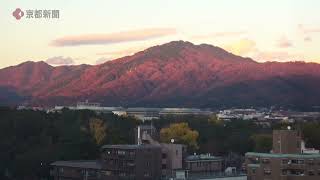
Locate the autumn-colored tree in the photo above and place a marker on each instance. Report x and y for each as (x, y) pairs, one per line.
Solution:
(181, 133)
(213, 119)
(98, 130)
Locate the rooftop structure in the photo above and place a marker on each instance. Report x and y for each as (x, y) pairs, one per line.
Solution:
(204, 164)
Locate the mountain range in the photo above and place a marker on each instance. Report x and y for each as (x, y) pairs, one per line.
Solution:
(175, 74)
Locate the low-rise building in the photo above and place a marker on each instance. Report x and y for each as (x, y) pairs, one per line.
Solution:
(88, 170)
(131, 162)
(117, 162)
(204, 164)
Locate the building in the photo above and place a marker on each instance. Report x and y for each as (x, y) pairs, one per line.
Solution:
(204, 164)
(286, 160)
(286, 142)
(184, 111)
(88, 170)
(135, 162)
(172, 158)
(131, 162)
(172, 155)
(143, 114)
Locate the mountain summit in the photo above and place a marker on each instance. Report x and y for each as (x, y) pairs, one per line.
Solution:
(178, 73)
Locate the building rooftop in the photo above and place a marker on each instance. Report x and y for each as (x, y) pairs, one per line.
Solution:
(271, 155)
(130, 146)
(202, 157)
(92, 164)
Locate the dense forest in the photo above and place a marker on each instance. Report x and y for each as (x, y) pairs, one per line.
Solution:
(31, 140)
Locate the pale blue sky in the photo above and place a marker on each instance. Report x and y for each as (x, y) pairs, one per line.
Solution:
(265, 29)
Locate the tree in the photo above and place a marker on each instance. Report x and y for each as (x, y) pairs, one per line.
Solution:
(98, 130)
(262, 143)
(311, 134)
(181, 133)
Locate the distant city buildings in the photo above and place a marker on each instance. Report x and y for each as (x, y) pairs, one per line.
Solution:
(262, 116)
(141, 113)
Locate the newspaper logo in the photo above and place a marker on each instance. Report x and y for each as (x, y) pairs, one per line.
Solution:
(18, 13)
(36, 14)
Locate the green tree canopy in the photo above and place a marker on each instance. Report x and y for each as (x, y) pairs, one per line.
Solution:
(262, 143)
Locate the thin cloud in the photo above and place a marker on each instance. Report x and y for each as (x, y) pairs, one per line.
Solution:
(284, 42)
(280, 56)
(111, 38)
(60, 60)
(307, 32)
(307, 39)
(119, 53)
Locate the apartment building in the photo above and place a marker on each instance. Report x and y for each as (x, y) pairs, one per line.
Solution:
(117, 162)
(131, 162)
(286, 160)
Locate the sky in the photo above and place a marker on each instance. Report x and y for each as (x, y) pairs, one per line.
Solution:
(95, 31)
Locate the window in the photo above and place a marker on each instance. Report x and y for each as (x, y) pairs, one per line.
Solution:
(310, 162)
(297, 161)
(108, 173)
(164, 155)
(132, 153)
(265, 160)
(92, 173)
(284, 161)
(267, 171)
(61, 170)
(253, 170)
(130, 163)
(284, 172)
(255, 160)
(121, 152)
(311, 173)
(164, 166)
(300, 161)
(296, 172)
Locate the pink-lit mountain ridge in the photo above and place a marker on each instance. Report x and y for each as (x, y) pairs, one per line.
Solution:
(176, 74)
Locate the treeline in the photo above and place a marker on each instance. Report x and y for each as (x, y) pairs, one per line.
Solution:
(237, 136)
(217, 137)
(31, 140)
